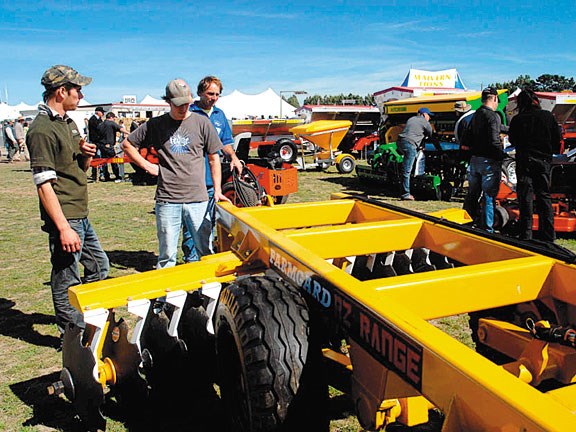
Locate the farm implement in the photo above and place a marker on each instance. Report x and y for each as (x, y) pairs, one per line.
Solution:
(325, 137)
(344, 293)
(440, 170)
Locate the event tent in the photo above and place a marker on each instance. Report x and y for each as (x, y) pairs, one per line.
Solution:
(8, 112)
(238, 105)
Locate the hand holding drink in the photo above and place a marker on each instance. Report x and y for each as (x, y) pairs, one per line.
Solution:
(87, 149)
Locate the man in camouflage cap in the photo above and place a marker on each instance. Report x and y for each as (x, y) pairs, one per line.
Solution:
(59, 75)
(59, 158)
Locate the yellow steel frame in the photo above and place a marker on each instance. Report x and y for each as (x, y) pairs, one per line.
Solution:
(395, 352)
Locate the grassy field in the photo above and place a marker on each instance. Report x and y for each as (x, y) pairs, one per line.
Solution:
(122, 216)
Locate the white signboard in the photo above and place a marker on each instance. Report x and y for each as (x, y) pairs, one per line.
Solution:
(448, 78)
(129, 99)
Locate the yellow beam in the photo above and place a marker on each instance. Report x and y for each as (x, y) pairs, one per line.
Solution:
(358, 239)
(459, 290)
(111, 293)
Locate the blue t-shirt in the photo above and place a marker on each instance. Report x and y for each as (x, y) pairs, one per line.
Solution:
(220, 123)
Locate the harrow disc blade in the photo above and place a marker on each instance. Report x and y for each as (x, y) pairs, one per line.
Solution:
(86, 394)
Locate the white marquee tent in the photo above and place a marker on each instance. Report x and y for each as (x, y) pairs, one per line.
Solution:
(238, 105)
(8, 112)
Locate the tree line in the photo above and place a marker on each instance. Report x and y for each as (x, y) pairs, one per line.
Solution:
(341, 99)
(544, 83)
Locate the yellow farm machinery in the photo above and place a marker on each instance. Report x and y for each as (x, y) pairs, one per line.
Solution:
(344, 293)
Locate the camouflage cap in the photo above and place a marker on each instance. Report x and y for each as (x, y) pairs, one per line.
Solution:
(59, 75)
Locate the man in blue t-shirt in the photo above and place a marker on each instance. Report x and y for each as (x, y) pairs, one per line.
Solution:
(209, 90)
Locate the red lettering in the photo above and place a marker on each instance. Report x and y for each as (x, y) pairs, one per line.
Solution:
(387, 345)
(375, 342)
(400, 355)
(364, 328)
(413, 366)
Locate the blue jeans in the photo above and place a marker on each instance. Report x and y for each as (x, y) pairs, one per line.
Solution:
(484, 178)
(170, 217)
(408, 150)
(188, 247)
(66, 271)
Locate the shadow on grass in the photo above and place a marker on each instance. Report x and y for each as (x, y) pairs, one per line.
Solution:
(19, 325)
(49, 411)
(352, 185)
(140, 261)
(167, 411)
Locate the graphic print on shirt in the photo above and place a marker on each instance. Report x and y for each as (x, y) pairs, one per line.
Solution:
(218, 127)
(179, 143)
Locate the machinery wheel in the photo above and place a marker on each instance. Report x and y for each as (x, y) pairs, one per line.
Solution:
(264, 150)
(446, 191)
(346, 165)
(229, 192)
(509, 171)
(280, 199)
(286, 149)
(268, 365)
(501, 217)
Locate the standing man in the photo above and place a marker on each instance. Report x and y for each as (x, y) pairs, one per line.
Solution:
(20, 136)
(209, 90)
(535, 134)
(487, 153)
(93, 136)
(181, 139)
(464, 114)
(409, 140)
(59, 159)
(11, 143)
(107, 135)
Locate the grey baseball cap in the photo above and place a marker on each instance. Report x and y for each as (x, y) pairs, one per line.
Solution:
(59, 75)
(178, 92)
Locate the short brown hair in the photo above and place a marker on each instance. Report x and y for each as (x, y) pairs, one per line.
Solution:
(206, 82)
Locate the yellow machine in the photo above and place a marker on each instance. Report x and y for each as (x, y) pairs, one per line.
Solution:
(325, 135)
(339, 292)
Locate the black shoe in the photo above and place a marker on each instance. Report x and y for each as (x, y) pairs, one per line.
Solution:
(60, 343)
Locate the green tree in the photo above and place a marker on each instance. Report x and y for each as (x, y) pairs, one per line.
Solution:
(554, 83)
(544, 83)
(341, 99)
(292, 100)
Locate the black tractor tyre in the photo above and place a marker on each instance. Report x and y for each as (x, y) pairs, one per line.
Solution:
(269, 365)
(286, 149)
(346, 165)
(229, 191)
(446, 190)
(264, 150)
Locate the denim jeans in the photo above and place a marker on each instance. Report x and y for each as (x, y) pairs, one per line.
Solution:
(170, 217)
(408, 150)
(484, 178)
(188, 247)
(66, 269)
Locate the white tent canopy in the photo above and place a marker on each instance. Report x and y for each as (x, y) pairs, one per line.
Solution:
(149, 100)
(8, 112)
(238, 105)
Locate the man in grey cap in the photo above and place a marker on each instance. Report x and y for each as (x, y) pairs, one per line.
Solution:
(59, 159)
(409, 140)
(181, 139)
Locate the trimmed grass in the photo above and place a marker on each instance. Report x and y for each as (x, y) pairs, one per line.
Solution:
(122, 215)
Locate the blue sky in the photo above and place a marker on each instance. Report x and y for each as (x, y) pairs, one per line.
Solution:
(322, 47)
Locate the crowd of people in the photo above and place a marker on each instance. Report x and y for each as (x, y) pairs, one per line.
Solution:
(13, 139)
(190, 141)
(535, 136)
